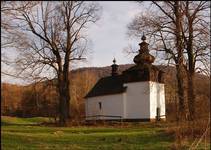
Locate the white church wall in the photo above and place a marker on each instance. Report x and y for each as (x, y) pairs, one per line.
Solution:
(157, 99)
(137, 100)
(140, 101)
(111, 105)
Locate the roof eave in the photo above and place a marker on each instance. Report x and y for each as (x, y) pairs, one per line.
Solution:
(105, 94)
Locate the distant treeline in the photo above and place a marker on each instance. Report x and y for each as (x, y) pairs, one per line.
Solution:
(40, 99)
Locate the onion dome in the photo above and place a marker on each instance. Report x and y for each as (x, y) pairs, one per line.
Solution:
(144, 57)
(114, 67)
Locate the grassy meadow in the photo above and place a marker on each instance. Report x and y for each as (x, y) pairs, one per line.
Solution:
(28, 134)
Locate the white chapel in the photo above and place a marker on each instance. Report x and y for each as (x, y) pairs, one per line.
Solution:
(137, 94)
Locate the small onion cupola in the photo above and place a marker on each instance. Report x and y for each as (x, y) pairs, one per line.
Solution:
(114, 67)
(144, 58)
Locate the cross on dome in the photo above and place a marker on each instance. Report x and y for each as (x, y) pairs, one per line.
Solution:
(114, 61)
(143, 37)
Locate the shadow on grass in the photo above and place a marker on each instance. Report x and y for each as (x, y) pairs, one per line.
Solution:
(19, 124)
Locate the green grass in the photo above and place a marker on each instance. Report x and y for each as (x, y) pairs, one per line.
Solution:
(24, 134)
(6, 120)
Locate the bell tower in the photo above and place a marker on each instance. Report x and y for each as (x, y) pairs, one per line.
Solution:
(144, 70)
(145, 85)
(144, 58)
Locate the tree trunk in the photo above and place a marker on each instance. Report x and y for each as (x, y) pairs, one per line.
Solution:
(191, 71)
(191, 96)
(181, 93)
(64, 101)
(179, 61)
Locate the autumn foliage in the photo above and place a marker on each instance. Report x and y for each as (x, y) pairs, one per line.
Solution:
(41, 99)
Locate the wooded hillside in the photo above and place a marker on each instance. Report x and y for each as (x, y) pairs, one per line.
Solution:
(41, 99)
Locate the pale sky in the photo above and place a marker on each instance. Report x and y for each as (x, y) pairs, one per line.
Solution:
(108, 35)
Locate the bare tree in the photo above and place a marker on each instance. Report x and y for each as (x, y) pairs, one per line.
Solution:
(49, 36)
(82, 82)
(7, 31)
(179, 31)
(8, 8)
(195, 35)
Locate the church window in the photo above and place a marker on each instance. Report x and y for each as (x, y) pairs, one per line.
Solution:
(100, 105)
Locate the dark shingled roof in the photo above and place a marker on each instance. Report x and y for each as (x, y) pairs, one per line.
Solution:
(108, 85)
(142, 71)
(114, 84)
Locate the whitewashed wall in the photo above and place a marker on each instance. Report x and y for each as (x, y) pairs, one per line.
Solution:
(140, 101)
(157, 99)
(137, 100)
(112, 105)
